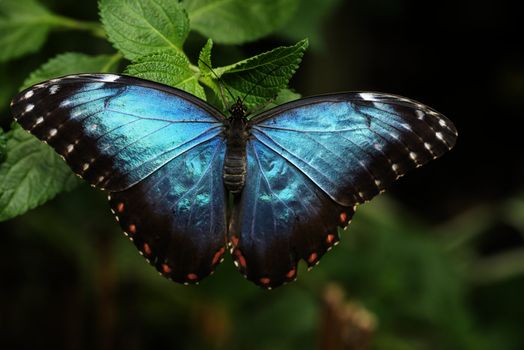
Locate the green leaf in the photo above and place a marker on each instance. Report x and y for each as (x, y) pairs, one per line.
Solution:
(31, 174)
(3, 146)
(284, 96)
(204, 59)
(71, 63)
(262, 77)
(308, 21)
(208, 78)
(24, 25)
(141, 27)
(238, 21)
(168, 68)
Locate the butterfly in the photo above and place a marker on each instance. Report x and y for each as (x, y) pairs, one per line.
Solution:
(186, 182)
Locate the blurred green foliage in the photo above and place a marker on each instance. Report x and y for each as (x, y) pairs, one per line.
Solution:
(71, 280)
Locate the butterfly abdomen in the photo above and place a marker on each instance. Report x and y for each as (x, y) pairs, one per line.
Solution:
(235, 170)
(235, 162)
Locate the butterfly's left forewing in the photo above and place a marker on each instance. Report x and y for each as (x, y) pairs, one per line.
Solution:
(115, 130)
(158, 150)
(310, 162)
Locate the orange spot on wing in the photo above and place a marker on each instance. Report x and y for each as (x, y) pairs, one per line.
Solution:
(312, 258)
(218, 255)
(234, 241)
(166, 268)
(265, 280)
(343, 217)
(147, 249)
(132, 229)
(240, 258)
(330, 238)
(192, 276)
(291, 273)
(120, 207)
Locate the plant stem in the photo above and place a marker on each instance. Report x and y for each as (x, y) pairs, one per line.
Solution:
(500, 267)
(94, 28)
(112, 61)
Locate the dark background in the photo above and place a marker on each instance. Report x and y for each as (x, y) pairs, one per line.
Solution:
(438, 260)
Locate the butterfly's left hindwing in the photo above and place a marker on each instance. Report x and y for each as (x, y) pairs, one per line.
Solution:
(176, 216)
(158, 150)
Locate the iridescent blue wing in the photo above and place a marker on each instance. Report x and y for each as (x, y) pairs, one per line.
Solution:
(115, 130)
(176, 216)
(310, 162)
(159, 151)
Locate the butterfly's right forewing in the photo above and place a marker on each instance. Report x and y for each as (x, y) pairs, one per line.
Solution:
(310, 162)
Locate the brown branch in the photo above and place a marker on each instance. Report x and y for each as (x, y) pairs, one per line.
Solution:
(344, 325)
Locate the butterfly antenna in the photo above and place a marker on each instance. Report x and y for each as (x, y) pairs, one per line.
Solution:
(221, 85)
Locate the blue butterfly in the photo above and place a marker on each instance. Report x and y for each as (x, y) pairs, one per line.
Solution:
(170, 160)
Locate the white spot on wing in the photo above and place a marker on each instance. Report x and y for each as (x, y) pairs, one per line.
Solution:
(439, 135)
(109, 77)
(366, 96)
(420, 114)
(395, 167)
(427, 146)
(39, 120)
(85, 166)
(29, 94)
(29, 107)
(413, 155)
(75, 113)
(442, 122)
(53, 89)
(406, 126)
(70, 148)
(52, 132)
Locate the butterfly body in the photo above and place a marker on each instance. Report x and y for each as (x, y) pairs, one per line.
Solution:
(237, 133)
(169, 159)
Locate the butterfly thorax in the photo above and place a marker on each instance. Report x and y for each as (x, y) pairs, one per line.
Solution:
(235, 162)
